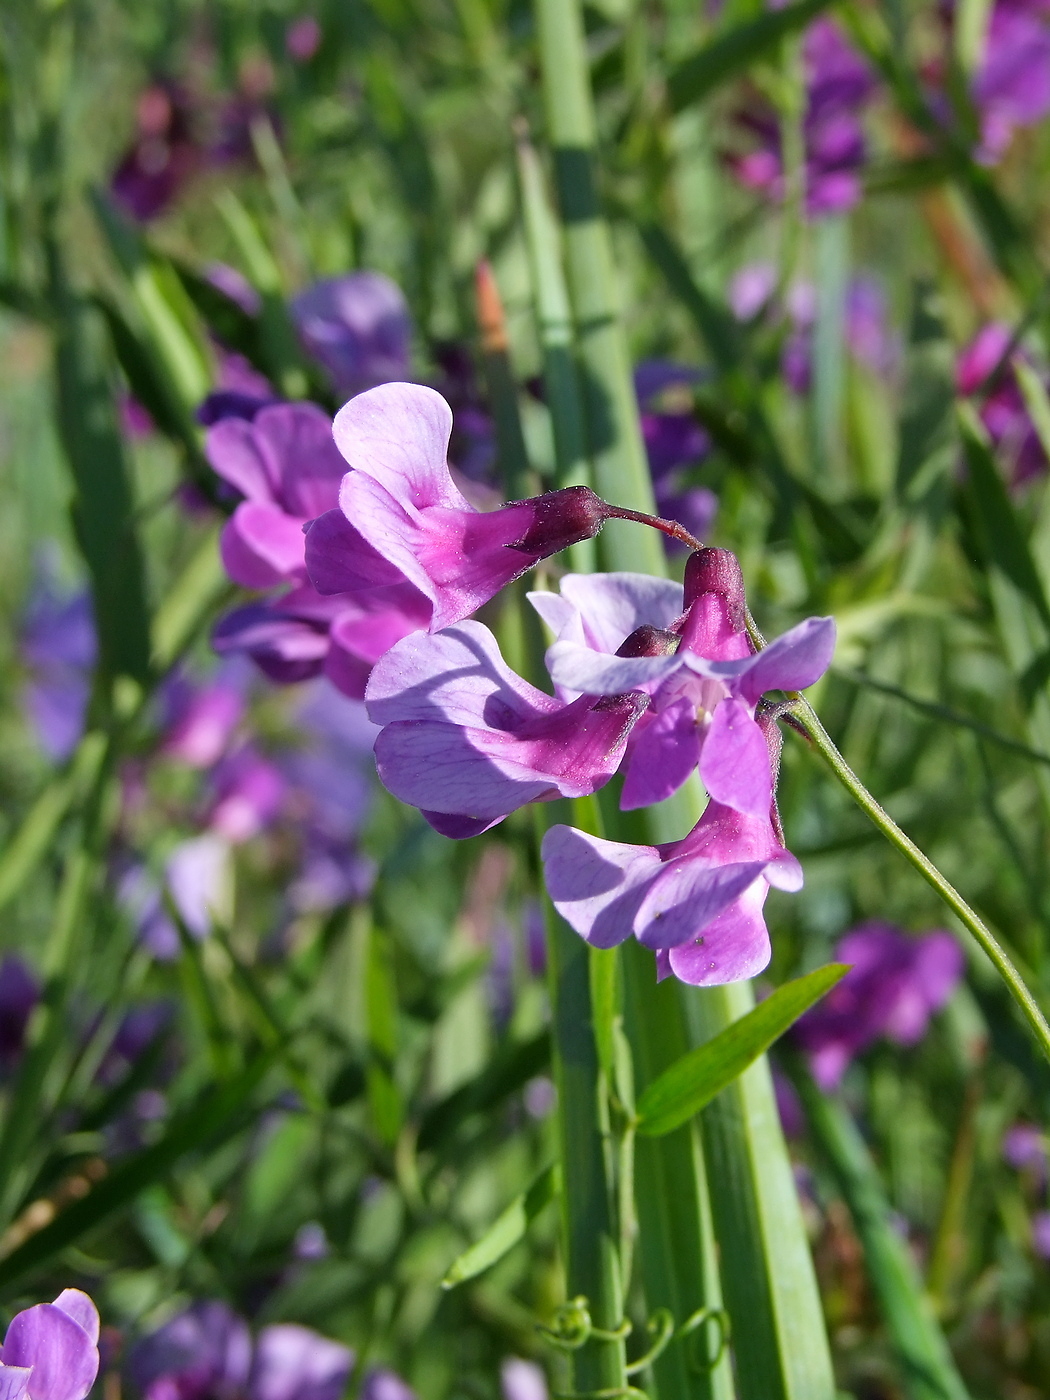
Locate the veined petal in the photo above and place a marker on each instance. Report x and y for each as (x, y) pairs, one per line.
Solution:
(733, 946)
(456, 677)
(734, 764)
(340, 560)
(686, 896)
(664, 750)
(398, 434)
(63, 1357)
(261, 545)
(597, 885)
(242, 459)
(14, 1381)
(298, 439)
(590, 672)
(392, 530)
(613, 605)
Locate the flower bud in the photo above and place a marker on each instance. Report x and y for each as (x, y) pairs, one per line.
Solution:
(717, 571)
(649, 641)
(561, 518)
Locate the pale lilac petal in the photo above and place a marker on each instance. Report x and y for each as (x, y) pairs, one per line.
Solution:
(298, 440)
(734, 765)
(64, 1359)
(557, 612)
(522, 1380)
(613, 605)
(939, 967)
(791, 662)
(242, 459)
(261, 545)
(14, 1382)
(733, 946)
(456, 676)
(664, 750)
(785, 873)
(597, 885)
(398, 434)
(296, 1363)
(198, 876)
(340, 560)
(391, 530)
(77, 1304)
(383, 1384)
(686, 896)
(590, 672)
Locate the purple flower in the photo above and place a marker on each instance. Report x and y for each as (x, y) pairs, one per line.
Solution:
(59, 647)
(198, 879)
(1003, 410)
(522, 1380)
(19, 994)
(1011, 87)
(302, 39)
(358, 327)
(249, 792)
(894, 986)
(468, 741)
(838, 85)
(704, 684)
(1024, 1149)
(751, 290)
(198, 721)
(286, 465)
(234, 286)
(202, 1354)
(674, 441)
(51, 1351)
(383, 1384)
(1041, 1233)
(400, 497)
(163, 157)
(696, 902)
(296, 1363)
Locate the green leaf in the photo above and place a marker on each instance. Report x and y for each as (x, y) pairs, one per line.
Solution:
(510, 1069)
(685, 1088)
(505, 1231)
(736, 49)
(996, 520)
(217, 1114)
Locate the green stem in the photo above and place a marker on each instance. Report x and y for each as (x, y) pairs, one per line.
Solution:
(804, 715)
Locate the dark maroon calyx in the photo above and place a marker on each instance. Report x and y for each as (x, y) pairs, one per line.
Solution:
(649, 641)
(561, 518)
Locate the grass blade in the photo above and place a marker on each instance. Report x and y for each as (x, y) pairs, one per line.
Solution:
(505, 1231)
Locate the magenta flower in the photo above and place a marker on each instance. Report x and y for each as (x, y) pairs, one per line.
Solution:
(296, 1363)
(285, 464)
(51, 1350)
(894, 986)
(704, 685)
(468, 741)
(198, 721)
(358, 327)
(696, 902)
(249, 792)
(400, 497)
(302, 39)
(1003, 410)
(838, 86)
(1011, 88)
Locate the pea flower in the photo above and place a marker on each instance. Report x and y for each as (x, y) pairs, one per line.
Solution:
(468, 741)
(51, 1350)
(1003, 409)
(59, 647)
(704, 687)
(1011, 87)
(894, 986)
(358, 327)
(399, 496)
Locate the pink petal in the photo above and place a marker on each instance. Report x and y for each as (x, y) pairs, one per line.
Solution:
(734, 764)
(340, 560)
(398, 434)
(393, 531)
(597, 885)
(665, 749)
(261, 545)
(63, 1357)
(733, 946)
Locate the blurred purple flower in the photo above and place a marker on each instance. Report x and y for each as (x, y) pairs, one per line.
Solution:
(895, 984)
(19, 994)
(139, 1028)
(522, 1380)
(203, 1353)
(1011, 87)
(235, 286)
(59, 647)
(136, 421)
(1002, 409)
(248, 793)
(383, 1384)
(838, 86)
(1041, 1233)
(140, 896)
(198, 878)
(302, 39)
(358, 327)
(163, 157)
(1024, 1149)
(472, 447)
(198, 720)
(311, 1241)
(674, 441)
(789, 1105)
(51, 1350)
(751, 290)
(296, 1363)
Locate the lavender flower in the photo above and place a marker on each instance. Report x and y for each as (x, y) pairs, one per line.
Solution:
(51, 1350)
(674, 441)
(302, 39)
(1003, 410)
(1011, 87)
(838, 86)
(522, 1380)
(198, 721)
(383, 1384)
(59, 646)
(358, 327)
(204, 1351)
(1024, 1149)
(894, 986)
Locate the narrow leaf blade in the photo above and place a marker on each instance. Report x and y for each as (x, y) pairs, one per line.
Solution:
(505, 1231)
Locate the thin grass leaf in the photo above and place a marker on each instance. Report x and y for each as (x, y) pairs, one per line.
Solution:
(729, 53)
(508, 1071)
(216, 1115)
(505, 1231)
(689, 1085)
